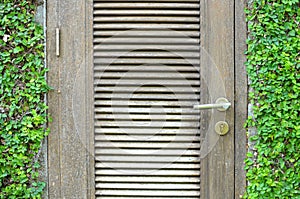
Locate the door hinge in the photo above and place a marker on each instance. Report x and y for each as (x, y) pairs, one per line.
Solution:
(57, 35)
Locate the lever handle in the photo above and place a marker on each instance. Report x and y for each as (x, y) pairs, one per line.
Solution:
(222, 104)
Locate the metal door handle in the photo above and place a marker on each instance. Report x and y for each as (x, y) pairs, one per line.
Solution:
(222, 104)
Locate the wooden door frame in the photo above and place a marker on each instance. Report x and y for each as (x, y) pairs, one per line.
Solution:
(241, 96)
(74, 20)
(70, 63)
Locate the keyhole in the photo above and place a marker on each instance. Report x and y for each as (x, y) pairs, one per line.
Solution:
(222, 128)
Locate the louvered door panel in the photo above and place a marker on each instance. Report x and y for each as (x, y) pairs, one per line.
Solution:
(146, 81)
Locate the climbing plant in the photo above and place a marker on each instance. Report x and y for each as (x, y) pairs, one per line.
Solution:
(23, 112)
(273, 65)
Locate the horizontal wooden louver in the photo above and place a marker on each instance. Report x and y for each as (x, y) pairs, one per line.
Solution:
(146, 81)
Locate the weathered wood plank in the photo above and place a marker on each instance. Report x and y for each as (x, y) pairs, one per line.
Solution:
(146, 26)
(146, 88)
(148, 145)
(148, 179)
(159, 5)
(146, 19)
(89, 82)
(153, 12)
(240, 97)
(145, 53)
(141, 82)
(140, 41)
(152, 138)
(54, 159)
(145, 61)
(128, 96)
(147, 111)
(145, 172)
(173, 152)
(141, 74)
(152, 117)
(217, 69)
(128, 47)
(146, 186)
(70, 160)
(122, 165)
(148, 124)
(130, 131)
(152, 193)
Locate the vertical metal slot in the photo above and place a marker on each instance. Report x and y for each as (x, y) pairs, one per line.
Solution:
(57, 35)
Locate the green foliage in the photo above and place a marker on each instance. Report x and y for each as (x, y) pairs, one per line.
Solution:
(273, 64)
(23, 113)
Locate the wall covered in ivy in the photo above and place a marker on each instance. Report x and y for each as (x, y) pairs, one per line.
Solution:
(23, 112)
(273, 66)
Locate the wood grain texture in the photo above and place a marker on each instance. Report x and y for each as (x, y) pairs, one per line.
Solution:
(146, 67)
(217, 42)
(240, 97)
(71, 142)
(54, 176)
(70, 155)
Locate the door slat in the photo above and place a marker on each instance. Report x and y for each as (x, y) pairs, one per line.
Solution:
(146, 81)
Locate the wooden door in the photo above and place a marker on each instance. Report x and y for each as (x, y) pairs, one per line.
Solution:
(126, 75)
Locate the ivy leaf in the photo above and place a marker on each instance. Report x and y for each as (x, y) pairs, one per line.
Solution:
(18, 49)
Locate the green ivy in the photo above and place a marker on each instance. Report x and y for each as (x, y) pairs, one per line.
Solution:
(273, 65)
(23, 112)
